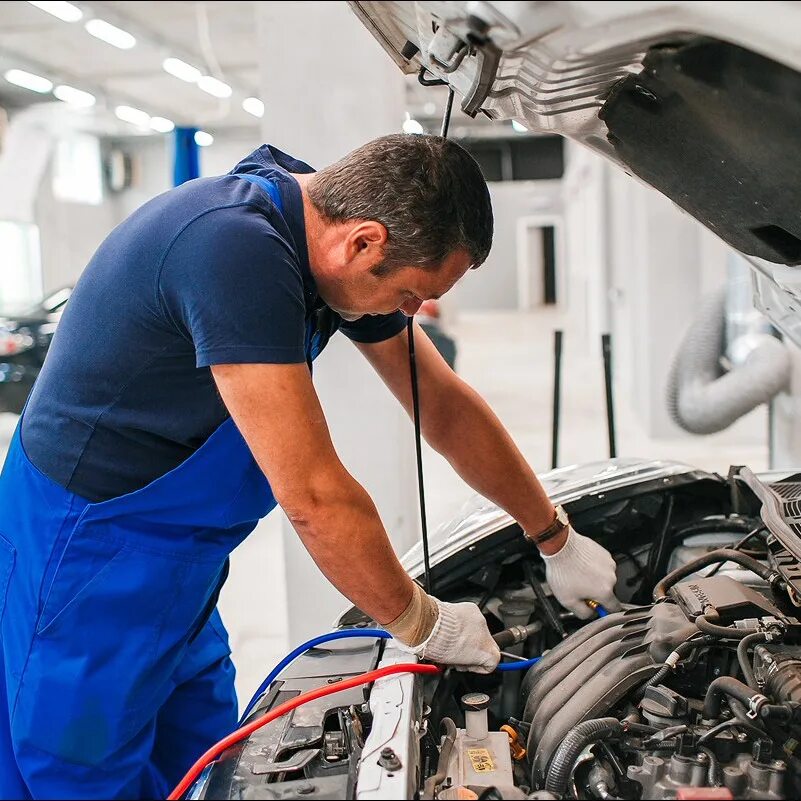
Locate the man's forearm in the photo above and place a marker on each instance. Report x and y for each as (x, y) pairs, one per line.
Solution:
(480, 449)
(345, 537)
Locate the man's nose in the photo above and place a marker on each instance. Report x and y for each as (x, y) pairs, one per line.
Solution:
(411, 307)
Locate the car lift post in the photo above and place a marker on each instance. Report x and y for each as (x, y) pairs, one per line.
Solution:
(557, 390)
(606, 348)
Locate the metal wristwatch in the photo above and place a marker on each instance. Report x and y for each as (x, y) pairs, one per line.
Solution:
(560, 522)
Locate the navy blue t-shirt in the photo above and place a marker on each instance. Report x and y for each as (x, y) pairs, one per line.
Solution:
(208, 273)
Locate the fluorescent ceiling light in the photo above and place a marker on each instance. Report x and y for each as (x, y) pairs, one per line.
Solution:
(64, 11)
(110, 34)
(75, 97)
(203, 139)
(162, 124)
(412, 126)
(133, 115)
(27, 80)
(253, 106)
(214, 87)
(180, 69)
(519, 127)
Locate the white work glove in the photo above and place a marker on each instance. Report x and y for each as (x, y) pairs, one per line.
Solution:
(460, 637)
(582, 570)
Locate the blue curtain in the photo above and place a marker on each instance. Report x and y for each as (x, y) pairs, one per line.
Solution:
(187, 156)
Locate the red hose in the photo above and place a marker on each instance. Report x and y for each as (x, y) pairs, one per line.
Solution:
(282, 709)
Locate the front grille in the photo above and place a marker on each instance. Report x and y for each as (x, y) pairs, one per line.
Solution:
(789, 490)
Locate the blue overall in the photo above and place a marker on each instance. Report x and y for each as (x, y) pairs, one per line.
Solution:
(114, 664)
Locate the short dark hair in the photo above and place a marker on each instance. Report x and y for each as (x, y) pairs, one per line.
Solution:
(428, 192)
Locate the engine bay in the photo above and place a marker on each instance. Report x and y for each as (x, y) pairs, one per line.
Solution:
(696, 684)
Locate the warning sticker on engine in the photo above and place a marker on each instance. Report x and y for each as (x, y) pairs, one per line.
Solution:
(481, 760)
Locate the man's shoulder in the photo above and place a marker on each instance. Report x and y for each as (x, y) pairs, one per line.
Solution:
(225, 208)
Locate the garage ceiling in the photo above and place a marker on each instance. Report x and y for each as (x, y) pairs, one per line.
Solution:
(33, 40)
(218, 38)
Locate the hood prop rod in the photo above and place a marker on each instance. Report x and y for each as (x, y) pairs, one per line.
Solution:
(429, 586)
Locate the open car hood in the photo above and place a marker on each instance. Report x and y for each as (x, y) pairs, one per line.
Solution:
(700, 102)
(479, 518)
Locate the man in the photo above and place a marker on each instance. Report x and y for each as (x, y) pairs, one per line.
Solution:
(176, 407)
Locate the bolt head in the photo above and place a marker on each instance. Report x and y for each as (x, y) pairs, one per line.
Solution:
(387, 753)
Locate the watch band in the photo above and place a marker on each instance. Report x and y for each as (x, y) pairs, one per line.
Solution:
(560, 522)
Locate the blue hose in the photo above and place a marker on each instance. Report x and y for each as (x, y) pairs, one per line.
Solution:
(344, 634)
(307, 646)
(508, 667)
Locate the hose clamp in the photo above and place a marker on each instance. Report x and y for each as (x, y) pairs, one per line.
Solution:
(755, 703)
(774, 578)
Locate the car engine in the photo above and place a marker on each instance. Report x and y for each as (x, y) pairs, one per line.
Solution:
(692, 691)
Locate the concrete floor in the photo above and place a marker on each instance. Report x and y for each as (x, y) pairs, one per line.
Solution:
(508, 358)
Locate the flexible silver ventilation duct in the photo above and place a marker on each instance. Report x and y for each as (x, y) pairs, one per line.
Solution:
(702, 398)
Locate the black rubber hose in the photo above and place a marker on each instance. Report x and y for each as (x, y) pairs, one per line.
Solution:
(657, 678)
(784, 677)
(713, 771)
(731, 724)
(577, 739)
(448, 739)
(742, 656)
(741, 713)
(710, 624)
(720, 555)
(739, 547)
(726, 685)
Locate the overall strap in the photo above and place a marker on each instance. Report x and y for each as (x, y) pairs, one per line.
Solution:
(266, 186)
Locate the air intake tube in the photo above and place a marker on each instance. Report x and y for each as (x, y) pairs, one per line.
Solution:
(701, 398)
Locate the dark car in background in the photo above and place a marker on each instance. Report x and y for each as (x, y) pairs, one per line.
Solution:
(24, 340)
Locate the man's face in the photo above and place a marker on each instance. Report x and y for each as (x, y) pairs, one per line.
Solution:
(358, 290)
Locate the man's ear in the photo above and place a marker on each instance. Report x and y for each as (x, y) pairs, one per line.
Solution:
(366, 240)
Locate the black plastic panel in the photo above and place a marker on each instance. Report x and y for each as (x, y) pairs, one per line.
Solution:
(716, 129)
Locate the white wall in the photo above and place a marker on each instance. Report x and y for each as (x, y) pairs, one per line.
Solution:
(586, 235)
(494, 285)
(153, 164)
(639, 268)
(71, 232)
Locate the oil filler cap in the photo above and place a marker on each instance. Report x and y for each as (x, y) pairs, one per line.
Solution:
(475, 702)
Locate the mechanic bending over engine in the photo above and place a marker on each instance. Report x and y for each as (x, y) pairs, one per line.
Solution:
(176, 408)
